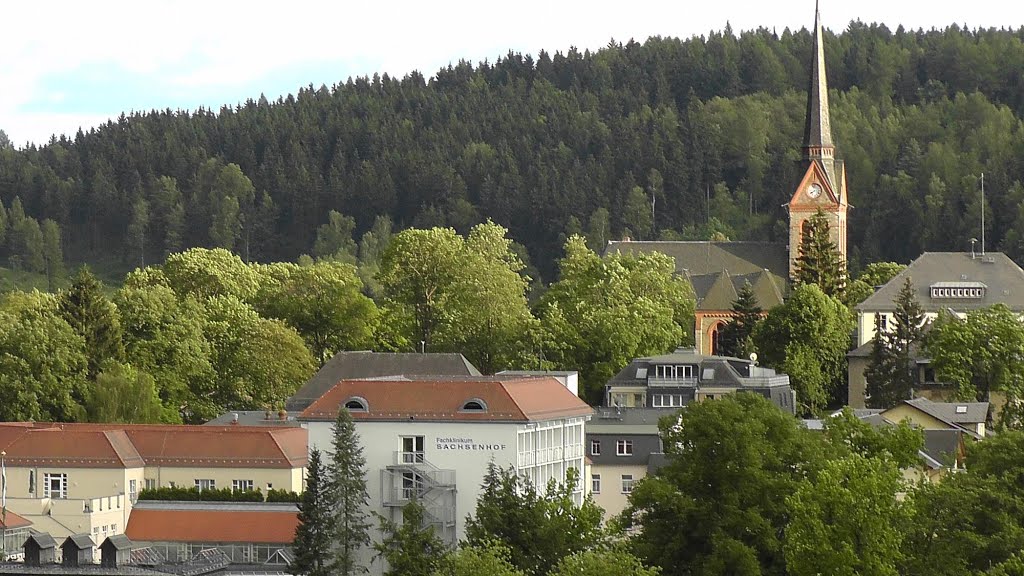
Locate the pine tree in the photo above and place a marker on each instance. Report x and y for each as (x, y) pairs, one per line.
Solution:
(349, 500)
(412, 548)
(747, 313)
(313, 535)
(890, 373)
(94, 318)
(819, 261)
(52, 253)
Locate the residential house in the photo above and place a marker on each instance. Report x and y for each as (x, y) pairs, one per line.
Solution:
(432, 438)
(955, 282)
(970, 417)
(362, 365)
(623, 446)
(674, 380)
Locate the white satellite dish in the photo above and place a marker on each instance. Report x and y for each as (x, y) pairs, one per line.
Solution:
(753, 357)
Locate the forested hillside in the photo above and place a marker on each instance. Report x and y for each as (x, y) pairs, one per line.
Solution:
(561, 143)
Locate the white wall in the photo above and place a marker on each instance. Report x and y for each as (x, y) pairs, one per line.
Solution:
(538, 450)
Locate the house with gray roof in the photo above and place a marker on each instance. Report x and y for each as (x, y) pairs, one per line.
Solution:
(623, 446)
(955, 282)
(958, 282)
(717, 272)
(363, 365)
(674, 380)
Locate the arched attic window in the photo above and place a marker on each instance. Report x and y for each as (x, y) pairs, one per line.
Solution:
(474, 405)
(357, 404)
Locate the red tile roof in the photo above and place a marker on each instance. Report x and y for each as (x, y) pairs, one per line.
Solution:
(441, 399)
(14, 521)
(68, 447)
(213, 526)
(155, 445)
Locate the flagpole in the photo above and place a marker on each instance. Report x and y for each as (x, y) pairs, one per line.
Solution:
(3, 506)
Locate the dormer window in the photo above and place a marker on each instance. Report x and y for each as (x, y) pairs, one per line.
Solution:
(357, 404)
(474, 405)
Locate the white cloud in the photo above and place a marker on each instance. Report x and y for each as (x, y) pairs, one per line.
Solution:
(218, 47)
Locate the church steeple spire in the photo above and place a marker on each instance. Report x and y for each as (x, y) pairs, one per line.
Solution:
(818, 127)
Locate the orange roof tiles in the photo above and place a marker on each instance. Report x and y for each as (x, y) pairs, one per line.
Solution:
(14, 521)
(508, 400)
(74, 448)
(220, 526)
(86, 445)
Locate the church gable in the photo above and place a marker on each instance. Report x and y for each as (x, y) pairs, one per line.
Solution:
(814, 191)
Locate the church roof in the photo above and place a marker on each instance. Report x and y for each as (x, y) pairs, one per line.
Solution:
(818, 126)
(717, 270)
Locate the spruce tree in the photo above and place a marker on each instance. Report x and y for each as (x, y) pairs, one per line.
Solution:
(349, 500)
(94, 318)
(314, 534)
(412, 548)
(819, 261)
(890, 373)
(736, 336)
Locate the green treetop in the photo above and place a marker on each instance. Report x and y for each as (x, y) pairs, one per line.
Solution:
(737, 336)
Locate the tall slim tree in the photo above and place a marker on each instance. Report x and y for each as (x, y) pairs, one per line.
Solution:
(819, 261)
(94, 318)
(349, 499)
(737, 336)
(890, 373)
(315, 532)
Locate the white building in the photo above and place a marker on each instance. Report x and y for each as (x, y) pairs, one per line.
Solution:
(433, 439)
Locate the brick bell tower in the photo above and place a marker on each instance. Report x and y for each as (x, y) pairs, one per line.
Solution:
(823, 185)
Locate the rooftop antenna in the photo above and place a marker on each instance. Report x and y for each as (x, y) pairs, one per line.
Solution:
(982, 213)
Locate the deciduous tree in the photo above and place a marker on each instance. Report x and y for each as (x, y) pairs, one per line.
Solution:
(411, 548)
(605, 311)
(807, 338)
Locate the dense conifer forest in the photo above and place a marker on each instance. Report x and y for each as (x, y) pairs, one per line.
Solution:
(709, 127)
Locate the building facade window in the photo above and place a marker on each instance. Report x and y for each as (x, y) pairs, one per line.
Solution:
(206, 484)
(55, 485)
(627, 483)
(133, 490)
(595, 483)
(150, 484)
(412, 449)
(667, 400)
(32, 482)
(623, 447)
(241, 485)
(595, 447)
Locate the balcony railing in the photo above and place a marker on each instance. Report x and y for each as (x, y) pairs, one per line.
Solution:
(654, 381)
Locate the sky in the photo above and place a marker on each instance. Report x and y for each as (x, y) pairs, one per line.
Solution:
(71, 64)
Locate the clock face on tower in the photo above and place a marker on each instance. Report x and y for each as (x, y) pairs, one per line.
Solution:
(814, 190)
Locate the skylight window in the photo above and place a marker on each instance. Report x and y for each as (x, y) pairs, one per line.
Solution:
(961, 409)
(474, 405)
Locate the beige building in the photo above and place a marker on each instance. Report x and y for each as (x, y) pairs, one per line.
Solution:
(623, 447)
(85, 478)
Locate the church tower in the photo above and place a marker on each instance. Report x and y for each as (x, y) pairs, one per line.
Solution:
(823, 185)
